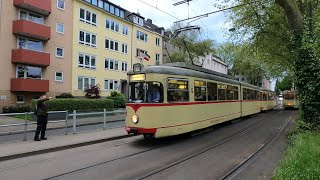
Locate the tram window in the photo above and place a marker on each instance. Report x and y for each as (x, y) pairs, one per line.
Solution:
(200, 91)
(244, 95)
(257, 95)
(248, 94)
(221, 91)
(143, 92)
(229, 92)
(236, 93)
(154, 92)
(178, 90)
(288, 96)
(261, 96)
(212, 91)
(264, 96)
(270, 96)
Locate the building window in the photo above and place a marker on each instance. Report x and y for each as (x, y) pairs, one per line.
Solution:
(86, 82)
(87, 61)
(20, 99)
(111, 9)
(31, 17)
(111, 64)
(112, 25)
(124, 66)
(121, 13)
(106, 6)
(142, 36)
(138, 20)
(111, 44)
(60, 28)
(87, 38)
(125, 30)
(100, 4)
(158, 41)
(157, 57)
(24, 43)
(88, 17)
(125, 48)
(59, 76)
(59, 52)
(117, 12)
(110, 84)
(28, 72)
(61, 4)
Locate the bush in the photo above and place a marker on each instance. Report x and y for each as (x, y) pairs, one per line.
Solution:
(118, 99)
(78, 104)
(65, 95)
(16, 109)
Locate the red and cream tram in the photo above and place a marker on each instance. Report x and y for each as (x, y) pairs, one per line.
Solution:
(178, 98)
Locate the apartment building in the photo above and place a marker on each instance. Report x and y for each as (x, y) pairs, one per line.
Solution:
(65, 46)
(107, 41)
(36, 49)
(213, 63)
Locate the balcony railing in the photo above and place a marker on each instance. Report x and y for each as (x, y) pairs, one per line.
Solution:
(29, 85)
(39, 6)
(25, 56)
(31, 29)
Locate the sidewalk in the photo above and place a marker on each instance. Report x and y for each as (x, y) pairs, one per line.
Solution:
(80, 122)
(13, 150)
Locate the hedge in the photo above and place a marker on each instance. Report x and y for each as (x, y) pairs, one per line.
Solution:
(16, 109)
(78, 104)
(118, 99)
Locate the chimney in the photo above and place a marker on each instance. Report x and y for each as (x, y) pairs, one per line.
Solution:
(149, 21)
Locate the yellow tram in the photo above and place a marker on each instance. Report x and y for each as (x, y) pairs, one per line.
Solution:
(177, 98)
(290, 99)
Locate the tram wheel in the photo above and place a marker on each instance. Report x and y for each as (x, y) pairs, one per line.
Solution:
(148, 136)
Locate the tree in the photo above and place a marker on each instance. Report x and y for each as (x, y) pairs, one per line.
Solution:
(285, 84)
(285, 33)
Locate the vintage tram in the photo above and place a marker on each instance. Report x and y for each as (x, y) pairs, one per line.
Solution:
(177, 98)
(290, 99)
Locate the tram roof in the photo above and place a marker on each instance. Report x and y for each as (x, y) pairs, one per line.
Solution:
(185, 69)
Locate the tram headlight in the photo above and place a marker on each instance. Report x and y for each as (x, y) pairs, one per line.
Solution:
(135, 119)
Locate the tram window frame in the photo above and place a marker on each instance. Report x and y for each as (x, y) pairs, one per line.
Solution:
(260, 95)
(264, 96)
(198, 88)
(179, 94)
(229, 92)
(221, 91)
(248, 94)
(143, 97)
(235, 93)
(212, 91)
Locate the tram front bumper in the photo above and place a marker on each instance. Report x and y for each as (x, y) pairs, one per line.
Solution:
(138, 130)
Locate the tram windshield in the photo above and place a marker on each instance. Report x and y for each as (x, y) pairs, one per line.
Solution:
(145, 92)
(288, 96)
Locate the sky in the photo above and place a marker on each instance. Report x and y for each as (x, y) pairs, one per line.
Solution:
(162, 11)
(212, 27)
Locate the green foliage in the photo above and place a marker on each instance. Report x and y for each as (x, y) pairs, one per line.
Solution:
(285, 84)
(65, 95)
(78, 104)
(302, 158)
(16, 109)
(118, 99)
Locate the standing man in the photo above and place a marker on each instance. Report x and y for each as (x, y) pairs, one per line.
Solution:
(42, 118)
(153, 94)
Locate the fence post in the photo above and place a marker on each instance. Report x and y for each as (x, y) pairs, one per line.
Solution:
(25, 126)
(104, 118)
(74, 122)
(66, 133)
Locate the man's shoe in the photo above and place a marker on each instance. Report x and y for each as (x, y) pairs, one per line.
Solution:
(36, 139)
(43, 138)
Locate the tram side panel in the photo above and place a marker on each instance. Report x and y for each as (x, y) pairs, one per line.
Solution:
(179, 118)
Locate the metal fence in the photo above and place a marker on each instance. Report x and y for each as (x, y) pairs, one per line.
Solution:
(60, 117)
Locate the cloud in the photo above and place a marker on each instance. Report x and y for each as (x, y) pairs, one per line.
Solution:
(212, 26)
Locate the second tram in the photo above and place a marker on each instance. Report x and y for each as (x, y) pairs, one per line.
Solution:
(290, 99)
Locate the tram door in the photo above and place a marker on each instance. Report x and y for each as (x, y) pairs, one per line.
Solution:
(124, 87)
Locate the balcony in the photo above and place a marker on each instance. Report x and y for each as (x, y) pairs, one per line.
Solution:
(24, 56)
(42, 7)
(29, 85)
(31, 29)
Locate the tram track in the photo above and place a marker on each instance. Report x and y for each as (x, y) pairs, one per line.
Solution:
(228, 139)
(241, 166)
(236, 135)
